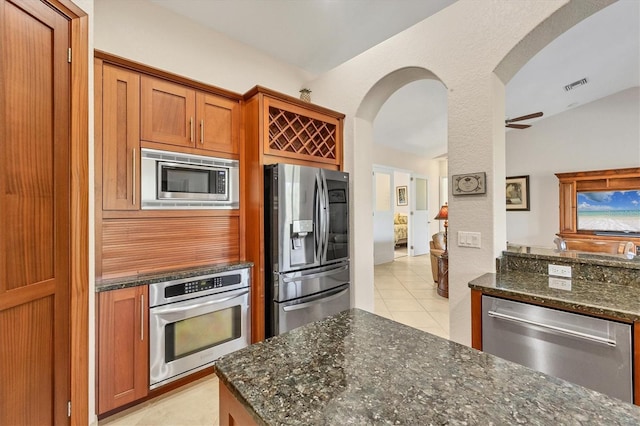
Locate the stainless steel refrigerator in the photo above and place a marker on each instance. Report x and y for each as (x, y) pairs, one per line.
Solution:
(307, 245)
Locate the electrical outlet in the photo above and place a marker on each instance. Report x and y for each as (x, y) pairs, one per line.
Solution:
(560, 283)
(560, 271)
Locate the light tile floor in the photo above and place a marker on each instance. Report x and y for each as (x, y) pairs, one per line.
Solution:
(404, 292)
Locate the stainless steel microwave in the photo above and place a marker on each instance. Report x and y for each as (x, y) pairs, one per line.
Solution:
(172, 180)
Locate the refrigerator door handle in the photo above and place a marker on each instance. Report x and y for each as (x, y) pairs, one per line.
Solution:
(319, 231)
(325, 217)
(321, 299)
(316, 275)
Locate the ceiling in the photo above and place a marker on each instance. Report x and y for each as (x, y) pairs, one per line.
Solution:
(604, 48)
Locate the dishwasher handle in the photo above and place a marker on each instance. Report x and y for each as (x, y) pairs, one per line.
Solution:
(561, 330)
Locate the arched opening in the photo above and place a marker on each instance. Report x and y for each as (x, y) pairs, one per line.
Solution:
(475, 140)
(409, 97)
(589, 126)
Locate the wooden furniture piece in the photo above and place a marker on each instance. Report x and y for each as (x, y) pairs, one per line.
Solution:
(599, 180)
(123, 348)
(139, 106)
(443, 275)
(279, 129)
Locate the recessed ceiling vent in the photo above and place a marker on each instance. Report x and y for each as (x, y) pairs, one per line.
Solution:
(575, 84)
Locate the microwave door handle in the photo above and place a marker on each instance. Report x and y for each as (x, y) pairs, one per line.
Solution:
(198, 305)
(321, 299)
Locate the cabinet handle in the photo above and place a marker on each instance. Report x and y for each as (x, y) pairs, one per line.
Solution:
(133, 176)
(142, 317)
(191, 129)
(202, 132)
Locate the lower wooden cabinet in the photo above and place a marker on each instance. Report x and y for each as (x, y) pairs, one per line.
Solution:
(123, 348)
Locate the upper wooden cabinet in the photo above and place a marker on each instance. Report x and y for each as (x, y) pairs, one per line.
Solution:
(178, 115)
(120, 112)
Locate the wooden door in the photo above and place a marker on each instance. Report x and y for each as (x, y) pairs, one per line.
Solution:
(218, 123)
(120, 138)
(35, 215)
(168, 112)
(123, 348)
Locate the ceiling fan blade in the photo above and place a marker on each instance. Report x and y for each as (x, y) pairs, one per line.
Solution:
(518, 126)
(525, 117)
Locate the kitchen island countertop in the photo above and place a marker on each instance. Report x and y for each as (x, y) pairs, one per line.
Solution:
(360, 368)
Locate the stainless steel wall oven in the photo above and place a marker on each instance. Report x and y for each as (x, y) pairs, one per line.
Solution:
(194, 321)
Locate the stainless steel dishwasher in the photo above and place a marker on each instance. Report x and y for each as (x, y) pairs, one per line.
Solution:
(591, 352)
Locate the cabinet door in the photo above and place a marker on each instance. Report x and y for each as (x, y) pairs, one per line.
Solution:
(568, 207)
(120, 138)
(168, 112)
(218, 123)
(123, 350)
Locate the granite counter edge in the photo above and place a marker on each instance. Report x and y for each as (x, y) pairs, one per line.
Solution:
(143, 279)
(480, 284)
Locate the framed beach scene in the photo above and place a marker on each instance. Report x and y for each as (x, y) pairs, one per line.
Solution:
(609, 211)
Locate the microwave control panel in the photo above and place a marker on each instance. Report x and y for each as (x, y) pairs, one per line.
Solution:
(202, 285)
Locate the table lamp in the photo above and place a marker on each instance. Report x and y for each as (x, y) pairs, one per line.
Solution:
(443, 214)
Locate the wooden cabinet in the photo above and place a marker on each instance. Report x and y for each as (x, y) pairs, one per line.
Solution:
(120, 138)
(279, 129)
(123, 348)
(179, 115)
(570, 184)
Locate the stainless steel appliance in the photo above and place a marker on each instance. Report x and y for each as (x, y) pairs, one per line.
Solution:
(194, 321)
(307, 249)
(591, 352)
(172, 180)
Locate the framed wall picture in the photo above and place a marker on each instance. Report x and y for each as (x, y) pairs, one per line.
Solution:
(469, 184)
(517, 188)
(401, 196)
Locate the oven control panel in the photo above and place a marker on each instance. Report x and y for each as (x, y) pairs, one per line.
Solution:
(201, 285)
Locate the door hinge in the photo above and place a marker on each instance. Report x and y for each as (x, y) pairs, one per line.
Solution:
(68, 408)
(69, 55)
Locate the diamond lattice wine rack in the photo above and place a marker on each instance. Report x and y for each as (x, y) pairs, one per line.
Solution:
(301, 135)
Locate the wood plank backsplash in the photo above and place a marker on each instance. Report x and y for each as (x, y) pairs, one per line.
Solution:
(134, 246)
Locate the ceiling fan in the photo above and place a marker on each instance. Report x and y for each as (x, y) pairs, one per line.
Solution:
(508, 122)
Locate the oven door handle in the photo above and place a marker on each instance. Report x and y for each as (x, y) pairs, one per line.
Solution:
(314, 302)
(161, 311)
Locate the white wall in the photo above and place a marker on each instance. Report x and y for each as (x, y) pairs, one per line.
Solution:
(145, 32)
(604, 134)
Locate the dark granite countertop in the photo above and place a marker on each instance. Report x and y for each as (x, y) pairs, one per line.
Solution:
(136, 280)
(573, 256)
(615, 301)
(359, 368)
